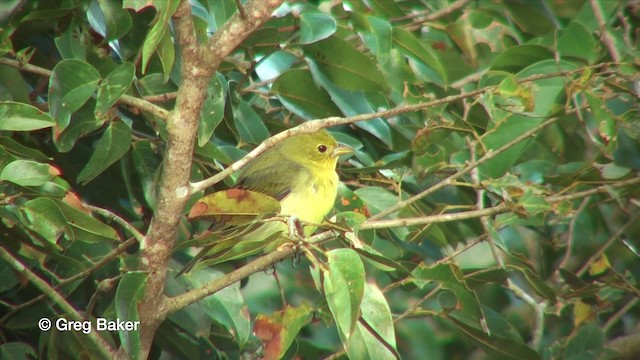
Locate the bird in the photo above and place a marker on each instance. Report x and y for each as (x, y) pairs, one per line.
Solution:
(299, 172)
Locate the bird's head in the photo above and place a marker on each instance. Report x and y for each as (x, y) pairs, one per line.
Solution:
(317, 149)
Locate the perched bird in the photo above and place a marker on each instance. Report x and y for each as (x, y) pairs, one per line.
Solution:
(299, 172)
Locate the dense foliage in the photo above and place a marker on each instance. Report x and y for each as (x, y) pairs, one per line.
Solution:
(490, 209)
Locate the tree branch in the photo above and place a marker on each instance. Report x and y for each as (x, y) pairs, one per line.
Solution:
(198, 65)
(81, 275)
(607, 39)
(124, 223)
(260, 264)
(103, 347)
(319, 124)
(472, 165)
(124, 99)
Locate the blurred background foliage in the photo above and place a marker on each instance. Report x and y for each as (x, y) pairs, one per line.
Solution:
(541, 132)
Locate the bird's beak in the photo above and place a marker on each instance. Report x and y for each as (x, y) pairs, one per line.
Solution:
(341, 150)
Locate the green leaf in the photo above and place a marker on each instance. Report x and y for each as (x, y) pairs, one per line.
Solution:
(611, 171)
(518, 57)
(160, 27)
(588, 342)
(129, 296)
(86, 228)
(533, 203)
(376, 313)
(383, 34)
(22, 117)
(536, 283)
(146, 164)
(72, 44)
(72, 83)
(576, 41)
(212, 111)
(27, 173)
(532, 16)
(353, 103)
(376, 198)
(15, 148)
(447, 300)
(345, 66)
(363, 344)
(496, 347)
(17, 351)
(388, 9)
(297, 90)
(113, 86)
(412, 47)
(45, 218)
(226, 306)
(315, 27)
(109, 19)
(167, 54)
(504, 132)
(113, 144)
(449, 276)
(249, 124)
(83, 123)
(344, 288)
(222, 10)
(549, 94)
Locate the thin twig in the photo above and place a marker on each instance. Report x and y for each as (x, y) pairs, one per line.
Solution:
(319, 124)
(572, 226)
(81, 275)
(260, 264)
(416, 305)
(100, 344)
(124, 99)
(432, 219)
(472, 165)
(607, 39)
(124, 223)
(161, 97)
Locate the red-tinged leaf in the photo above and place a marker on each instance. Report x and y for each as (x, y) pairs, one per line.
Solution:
(235, 206)
(279, 330)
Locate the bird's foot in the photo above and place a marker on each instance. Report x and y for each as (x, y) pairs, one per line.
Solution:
(296, 231)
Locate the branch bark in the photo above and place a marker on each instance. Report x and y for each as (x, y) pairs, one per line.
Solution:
(198, 65)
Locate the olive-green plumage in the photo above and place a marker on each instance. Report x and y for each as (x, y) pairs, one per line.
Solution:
(300, 173)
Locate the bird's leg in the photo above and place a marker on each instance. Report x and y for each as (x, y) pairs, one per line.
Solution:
(296, 232)
(296, 235)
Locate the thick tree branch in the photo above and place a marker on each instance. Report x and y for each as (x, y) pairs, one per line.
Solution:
(235, 30)
(176, 168)
(198, 64)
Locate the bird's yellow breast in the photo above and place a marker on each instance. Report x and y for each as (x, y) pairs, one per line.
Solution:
(311, 201)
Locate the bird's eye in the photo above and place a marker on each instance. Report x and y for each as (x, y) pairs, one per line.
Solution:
(322, 148)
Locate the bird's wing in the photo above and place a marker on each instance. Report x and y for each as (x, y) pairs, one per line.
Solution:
(276, 179)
